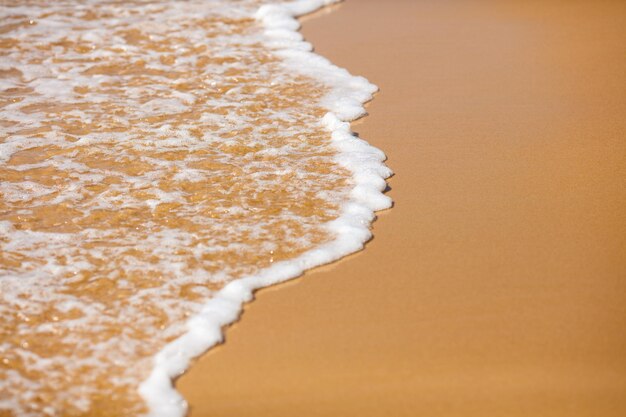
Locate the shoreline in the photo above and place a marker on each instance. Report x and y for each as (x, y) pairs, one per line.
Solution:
(493, 286)
(343, 103)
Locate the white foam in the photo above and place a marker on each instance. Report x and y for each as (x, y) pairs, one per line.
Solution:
(344, 103)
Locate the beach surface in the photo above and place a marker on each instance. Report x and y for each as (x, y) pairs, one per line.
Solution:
(496, 286)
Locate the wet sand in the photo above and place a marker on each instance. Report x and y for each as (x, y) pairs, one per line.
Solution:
(497, 284)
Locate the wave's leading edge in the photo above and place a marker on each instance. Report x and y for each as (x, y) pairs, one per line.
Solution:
(344, 103)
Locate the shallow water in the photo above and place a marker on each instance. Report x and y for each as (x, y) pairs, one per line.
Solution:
(150, 153)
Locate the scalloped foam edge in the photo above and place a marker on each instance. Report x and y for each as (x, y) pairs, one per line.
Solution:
(344, 103)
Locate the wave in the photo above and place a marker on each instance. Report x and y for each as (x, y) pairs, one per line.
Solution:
(345, 103)
(160, 161)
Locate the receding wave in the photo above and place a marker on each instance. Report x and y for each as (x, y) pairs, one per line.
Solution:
(160, 160)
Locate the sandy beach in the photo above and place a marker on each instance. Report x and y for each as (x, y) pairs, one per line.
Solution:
(496, 285)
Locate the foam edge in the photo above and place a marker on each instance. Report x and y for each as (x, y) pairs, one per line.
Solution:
(344, 103)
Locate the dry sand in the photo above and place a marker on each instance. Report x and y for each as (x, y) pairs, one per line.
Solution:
(497, 284)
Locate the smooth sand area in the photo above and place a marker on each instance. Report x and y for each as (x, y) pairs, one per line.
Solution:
(497, 284)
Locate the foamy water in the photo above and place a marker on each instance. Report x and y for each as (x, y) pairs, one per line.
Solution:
(158, 162)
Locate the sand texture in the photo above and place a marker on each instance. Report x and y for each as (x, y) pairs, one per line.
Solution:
(496, 286)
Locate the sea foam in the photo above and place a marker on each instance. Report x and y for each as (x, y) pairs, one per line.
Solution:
(344, 103)
(160, 161)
